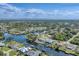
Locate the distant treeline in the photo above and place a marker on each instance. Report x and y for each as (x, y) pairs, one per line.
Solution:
(38, 20)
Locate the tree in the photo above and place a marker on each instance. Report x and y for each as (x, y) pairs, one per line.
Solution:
(31, 37)
(1, 35)
(59, 36)
(1, 53)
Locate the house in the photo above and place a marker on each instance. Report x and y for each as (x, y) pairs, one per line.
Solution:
(33, 53)
(71, 46)
(44, 40)
(25, 49)
(39, 41)
(61, 43)
(48, 40)
(13, 46)
(2, 44)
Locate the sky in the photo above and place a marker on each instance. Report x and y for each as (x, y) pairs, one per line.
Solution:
(39, 10)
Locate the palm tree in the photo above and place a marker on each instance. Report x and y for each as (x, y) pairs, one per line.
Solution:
(31, 37)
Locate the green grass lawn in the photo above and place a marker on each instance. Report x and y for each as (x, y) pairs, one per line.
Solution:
(43, 36)
(19, 45)
(5, 48)
(1, 37)
(13, 53)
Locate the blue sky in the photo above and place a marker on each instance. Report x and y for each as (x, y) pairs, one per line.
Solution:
(47, 6)
(39, 10)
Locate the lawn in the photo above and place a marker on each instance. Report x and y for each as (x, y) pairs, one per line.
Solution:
(19, 45)
(1, 37)
(13, 53)
(43, 36)
(5, 48)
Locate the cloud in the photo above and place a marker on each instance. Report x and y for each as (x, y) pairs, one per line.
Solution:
(9, 7)
(33, 10)
(9, 11)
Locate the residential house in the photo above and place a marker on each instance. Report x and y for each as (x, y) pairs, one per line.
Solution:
(71, 46)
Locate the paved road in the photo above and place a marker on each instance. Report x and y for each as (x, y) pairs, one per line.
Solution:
(73, 37)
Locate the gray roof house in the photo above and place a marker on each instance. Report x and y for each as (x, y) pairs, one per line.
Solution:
(42, 40)
(33, 53)
(71, 46)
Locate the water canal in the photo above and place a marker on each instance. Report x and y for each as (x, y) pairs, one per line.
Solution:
(23, 40)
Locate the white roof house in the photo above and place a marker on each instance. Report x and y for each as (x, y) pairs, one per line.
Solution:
(25, 49)
(2, 44)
